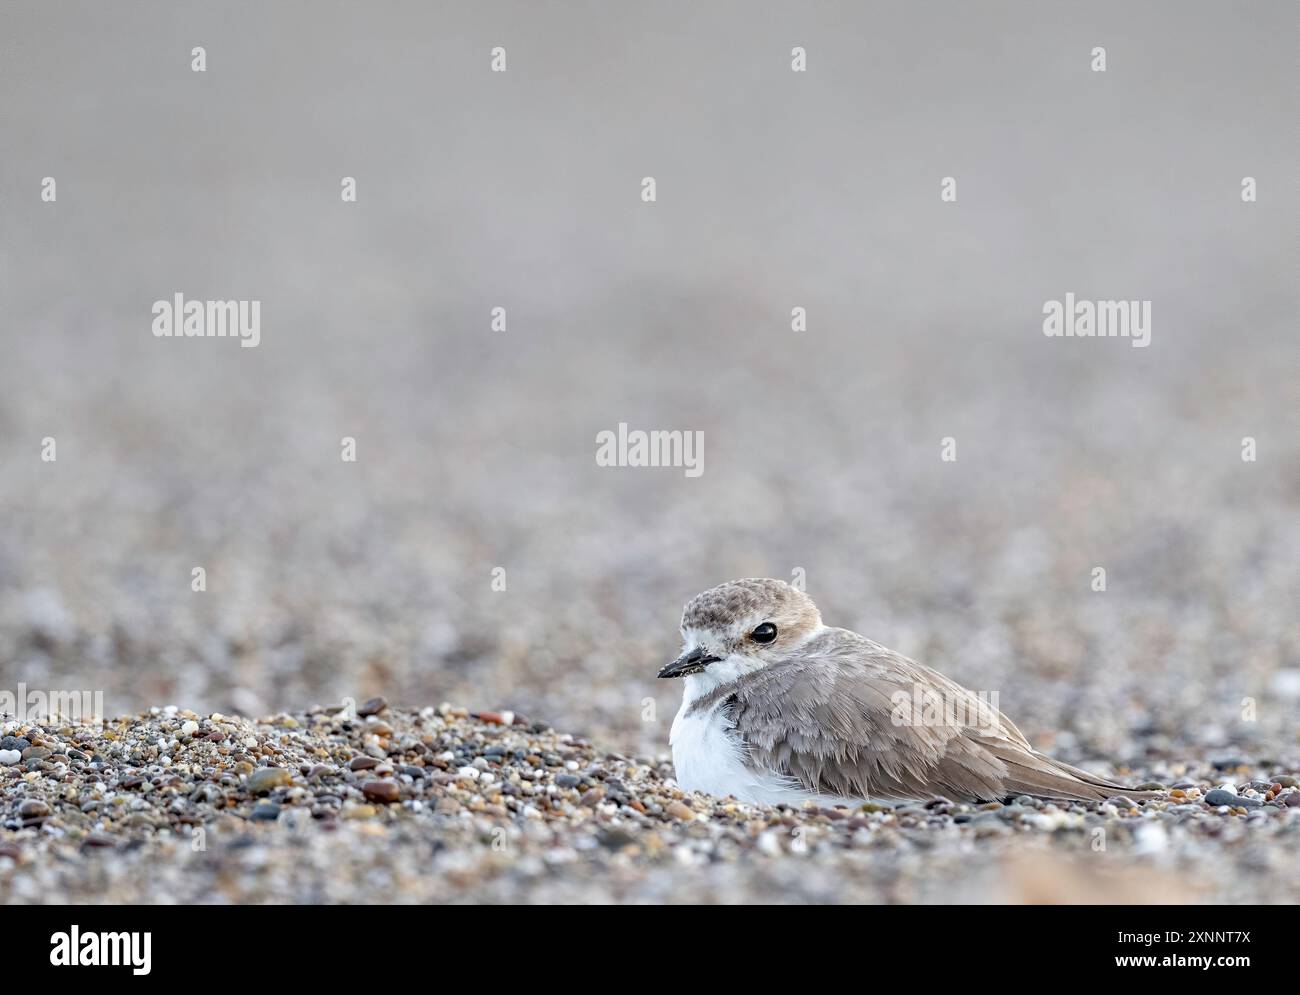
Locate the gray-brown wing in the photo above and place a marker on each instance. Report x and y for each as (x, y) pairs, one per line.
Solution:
(852, 718)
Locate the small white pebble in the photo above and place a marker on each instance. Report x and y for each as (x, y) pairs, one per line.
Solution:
(468, 772)
(10, 757)
(1150, 837)
(189, 728)
(571, 765)
(1229, 787)
(486, 777)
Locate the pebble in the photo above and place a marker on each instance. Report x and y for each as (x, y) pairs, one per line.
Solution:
(678, 810)
(1219, 797)
(372, 707)
(35, 753)
(380, 791)
(266, 778)
(265, 812)
(10, 757)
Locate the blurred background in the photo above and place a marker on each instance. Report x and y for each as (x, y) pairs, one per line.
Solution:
(476, 449)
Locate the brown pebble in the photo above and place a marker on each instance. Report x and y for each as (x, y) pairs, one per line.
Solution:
(35, 753)
(363, 763)
(381, 791)
(33, 808)
(679, 811)
(372, 707)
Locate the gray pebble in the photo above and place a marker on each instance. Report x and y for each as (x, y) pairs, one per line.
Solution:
(1220, 797)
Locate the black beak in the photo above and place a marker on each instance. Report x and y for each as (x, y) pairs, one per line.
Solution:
(689, 663)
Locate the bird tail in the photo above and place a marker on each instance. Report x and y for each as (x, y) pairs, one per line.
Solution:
(1036, 774)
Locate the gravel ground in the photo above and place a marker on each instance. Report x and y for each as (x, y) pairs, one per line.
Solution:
(441, 805)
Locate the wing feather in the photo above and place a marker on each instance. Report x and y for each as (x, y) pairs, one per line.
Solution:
(829, 718)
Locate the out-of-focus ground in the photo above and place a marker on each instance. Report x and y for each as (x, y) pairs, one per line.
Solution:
(328, 580)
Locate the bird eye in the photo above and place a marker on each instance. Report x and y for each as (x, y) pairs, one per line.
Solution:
(765, 633)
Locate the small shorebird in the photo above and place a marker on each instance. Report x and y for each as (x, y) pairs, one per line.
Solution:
(781, 709)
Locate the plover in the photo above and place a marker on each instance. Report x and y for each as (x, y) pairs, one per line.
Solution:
(781, 709)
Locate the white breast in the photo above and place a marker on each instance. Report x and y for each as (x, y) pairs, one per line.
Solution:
(708, 757)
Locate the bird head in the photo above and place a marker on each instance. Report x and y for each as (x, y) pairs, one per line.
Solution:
(743, 625)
